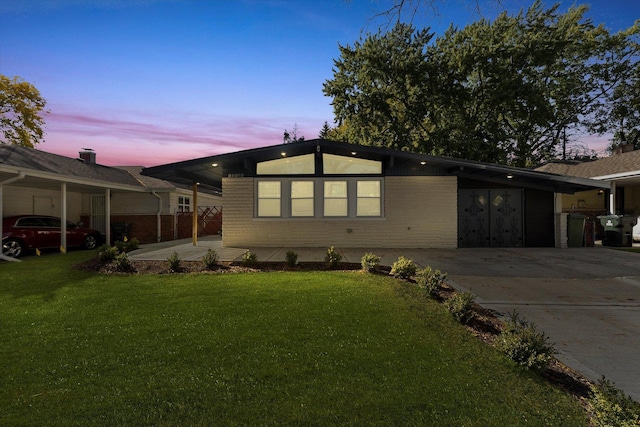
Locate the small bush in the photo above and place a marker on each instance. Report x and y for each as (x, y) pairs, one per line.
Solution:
(523, 344)
(369, 262)
(332, 258)
(210, 259)
(291, 258)
(249, 259)
(430, 280)
(107, 253)
(611, 407)
(403, 268)
(131, 244)
(460, 305)
(123, 263)
(120, 245)
(174, 262)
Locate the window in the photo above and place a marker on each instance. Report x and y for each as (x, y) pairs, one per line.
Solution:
(297, 165)
(184, 204)
(368, 194)
(336, 165)
(269, 198)
(302, 198)
(335, 198)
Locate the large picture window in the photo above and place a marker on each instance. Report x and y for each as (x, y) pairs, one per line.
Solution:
(368, 203)
(302, 198)
(336, 198)
(269, 195)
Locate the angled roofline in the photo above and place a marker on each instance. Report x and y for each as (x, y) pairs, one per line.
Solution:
(201, 170)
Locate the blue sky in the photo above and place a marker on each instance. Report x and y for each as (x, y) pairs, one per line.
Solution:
(146, 82)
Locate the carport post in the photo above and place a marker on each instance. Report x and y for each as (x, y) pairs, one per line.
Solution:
(107, 216)
(2, 184)
(63, 221)
(612, 198)
(194, 222)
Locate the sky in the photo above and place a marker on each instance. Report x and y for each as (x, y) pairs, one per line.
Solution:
(149, 82)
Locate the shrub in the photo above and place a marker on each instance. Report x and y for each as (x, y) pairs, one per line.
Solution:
(523, 344)
(120, 245)
(430, 280)
(291, 258)
(131, 244)
(107, 253)
(332, 258)
(210, 259)
(460, 305)
(369, 262)
(611, 407)
(174, 262)
(249, 259)
(403, 268)
(123, 263)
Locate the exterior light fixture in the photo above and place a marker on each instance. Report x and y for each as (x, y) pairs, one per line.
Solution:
(353, 153)
(423, 163)
(283, 154)
(215, 165)
(509, 176)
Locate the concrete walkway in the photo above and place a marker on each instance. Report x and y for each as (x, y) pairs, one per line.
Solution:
(587, 300)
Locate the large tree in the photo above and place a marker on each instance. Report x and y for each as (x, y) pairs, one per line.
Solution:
(379, 92)
(506, 91)
(21, 109)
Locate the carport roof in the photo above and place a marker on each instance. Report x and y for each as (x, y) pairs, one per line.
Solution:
(243, 163)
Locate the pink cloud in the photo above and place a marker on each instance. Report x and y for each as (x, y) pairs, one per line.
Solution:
(147, 139)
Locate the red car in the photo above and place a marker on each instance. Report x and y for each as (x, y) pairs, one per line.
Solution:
(28, 232)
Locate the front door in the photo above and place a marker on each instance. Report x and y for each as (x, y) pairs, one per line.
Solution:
(491, 218)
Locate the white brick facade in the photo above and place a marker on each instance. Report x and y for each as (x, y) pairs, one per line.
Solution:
(419, 212)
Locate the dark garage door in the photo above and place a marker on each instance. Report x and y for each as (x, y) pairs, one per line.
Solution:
(490, 217)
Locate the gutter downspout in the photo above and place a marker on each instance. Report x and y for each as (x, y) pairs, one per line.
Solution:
(20, 176)
(158, 219)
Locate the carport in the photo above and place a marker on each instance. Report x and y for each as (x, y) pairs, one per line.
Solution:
(32, 169)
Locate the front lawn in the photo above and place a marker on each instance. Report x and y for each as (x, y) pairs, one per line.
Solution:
(304, 348)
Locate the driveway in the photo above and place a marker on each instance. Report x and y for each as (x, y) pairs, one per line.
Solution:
(587, 300)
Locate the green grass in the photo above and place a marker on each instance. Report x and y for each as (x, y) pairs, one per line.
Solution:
(317, 348)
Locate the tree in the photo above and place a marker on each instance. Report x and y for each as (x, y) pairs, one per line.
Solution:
(619, 114)
(21, 106)
(507, 91)
(378, 91)
(289, 137)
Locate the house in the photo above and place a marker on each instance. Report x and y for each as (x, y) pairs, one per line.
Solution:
(318, 193)
(621, 175)
(81, 190)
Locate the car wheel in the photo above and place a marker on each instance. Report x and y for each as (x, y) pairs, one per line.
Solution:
(12, 248)
(90, 242)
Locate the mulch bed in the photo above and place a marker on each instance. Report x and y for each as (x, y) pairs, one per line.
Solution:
(485, 324)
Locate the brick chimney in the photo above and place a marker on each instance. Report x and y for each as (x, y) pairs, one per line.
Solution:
(88, 155)
(623, 149)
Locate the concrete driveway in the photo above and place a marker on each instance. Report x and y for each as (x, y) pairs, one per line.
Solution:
(587, 300)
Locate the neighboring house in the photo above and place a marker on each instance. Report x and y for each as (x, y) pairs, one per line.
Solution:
(319, 193)
(621, 175)
(620, 172)
(80, 190)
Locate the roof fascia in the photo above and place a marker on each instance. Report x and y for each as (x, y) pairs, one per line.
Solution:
(73, 180)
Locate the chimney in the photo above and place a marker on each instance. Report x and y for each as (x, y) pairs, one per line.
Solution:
(88, 155)
(623, 149)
